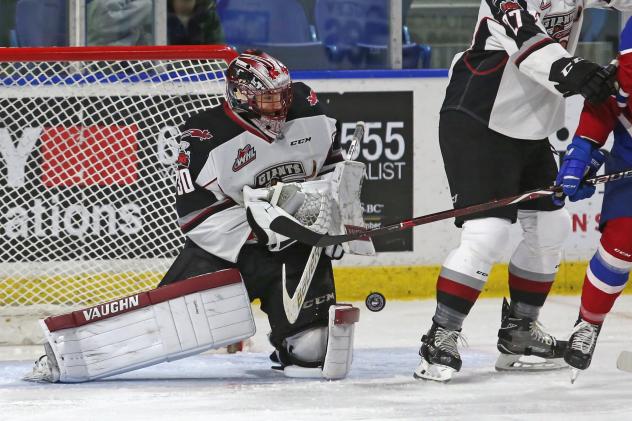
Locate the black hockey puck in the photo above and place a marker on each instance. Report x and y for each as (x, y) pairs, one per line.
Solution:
(375, 301)
(563, 134)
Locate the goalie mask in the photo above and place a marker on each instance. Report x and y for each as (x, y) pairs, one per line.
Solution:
(259, 88)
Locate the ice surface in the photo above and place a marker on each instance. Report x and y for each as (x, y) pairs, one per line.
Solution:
(380, 387)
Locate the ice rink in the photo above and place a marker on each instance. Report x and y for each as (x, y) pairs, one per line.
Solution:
(380, 387)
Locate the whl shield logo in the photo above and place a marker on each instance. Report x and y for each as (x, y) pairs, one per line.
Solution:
(245, 156)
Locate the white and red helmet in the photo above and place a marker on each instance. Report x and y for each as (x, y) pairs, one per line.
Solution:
(253, 78)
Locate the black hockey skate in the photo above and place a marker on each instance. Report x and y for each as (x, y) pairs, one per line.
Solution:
(581, 346)
(439, 354)
(519, 337)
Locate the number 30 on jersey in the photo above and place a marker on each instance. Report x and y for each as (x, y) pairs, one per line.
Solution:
(184, 182)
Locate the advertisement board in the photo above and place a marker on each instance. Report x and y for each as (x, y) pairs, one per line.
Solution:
(387, 152)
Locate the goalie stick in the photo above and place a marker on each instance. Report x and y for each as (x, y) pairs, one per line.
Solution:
(291, 229)
(292, 305)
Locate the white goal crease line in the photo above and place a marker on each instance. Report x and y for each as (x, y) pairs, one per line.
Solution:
(114, 89)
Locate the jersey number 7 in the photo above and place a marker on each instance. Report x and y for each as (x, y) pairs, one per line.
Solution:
(513, 19)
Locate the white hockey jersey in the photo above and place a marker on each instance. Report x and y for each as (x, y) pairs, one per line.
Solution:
(502, 80)
(220, 153)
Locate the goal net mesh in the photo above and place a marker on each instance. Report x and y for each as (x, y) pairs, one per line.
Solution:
(88, 148)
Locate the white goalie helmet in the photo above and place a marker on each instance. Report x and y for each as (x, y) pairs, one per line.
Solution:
(259, 87)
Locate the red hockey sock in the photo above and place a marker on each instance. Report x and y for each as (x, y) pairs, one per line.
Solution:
(608, 271)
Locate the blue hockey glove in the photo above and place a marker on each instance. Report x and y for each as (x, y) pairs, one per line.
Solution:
(582, 160)
(585, 190)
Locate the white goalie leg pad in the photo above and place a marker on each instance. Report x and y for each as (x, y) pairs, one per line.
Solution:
(338, 349)
(164, 324)
(342, 319)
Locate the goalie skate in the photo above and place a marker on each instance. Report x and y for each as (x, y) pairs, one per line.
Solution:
(46, 369)
(525, 346)
(440, 357)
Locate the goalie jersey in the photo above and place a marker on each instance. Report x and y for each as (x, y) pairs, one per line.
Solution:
(220, 153)
(502, 80)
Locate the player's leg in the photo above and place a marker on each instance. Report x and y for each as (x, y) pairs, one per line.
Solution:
(480, 166)
(201, 305)
(606, 276)
(320, 342)
(609, 268)
(532, 269)
(193, 261)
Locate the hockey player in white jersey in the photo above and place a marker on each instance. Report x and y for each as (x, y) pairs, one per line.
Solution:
(269, 147)
(505, 97)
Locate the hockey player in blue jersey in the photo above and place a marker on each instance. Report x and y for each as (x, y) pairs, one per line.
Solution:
(609, 268)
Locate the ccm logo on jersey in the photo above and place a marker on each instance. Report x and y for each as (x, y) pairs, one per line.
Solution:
(244, 157)
(109, 309)
(197, 133)
(300, 141)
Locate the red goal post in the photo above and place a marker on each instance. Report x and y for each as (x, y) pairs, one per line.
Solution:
(87, 151)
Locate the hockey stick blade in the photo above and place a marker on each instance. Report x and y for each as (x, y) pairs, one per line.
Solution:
(358, 135)
(296, 231)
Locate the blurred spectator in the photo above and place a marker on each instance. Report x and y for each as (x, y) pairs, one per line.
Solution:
(119, 22)
(7, 21)
(193, 22)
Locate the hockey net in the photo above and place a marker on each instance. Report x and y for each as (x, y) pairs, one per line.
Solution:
(88, 145)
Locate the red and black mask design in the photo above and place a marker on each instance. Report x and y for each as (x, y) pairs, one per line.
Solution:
(259, 87)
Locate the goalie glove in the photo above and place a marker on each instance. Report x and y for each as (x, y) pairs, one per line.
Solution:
(307, 203)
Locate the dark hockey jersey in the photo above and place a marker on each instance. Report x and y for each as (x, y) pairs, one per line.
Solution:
(502, 80)
(220, 153)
